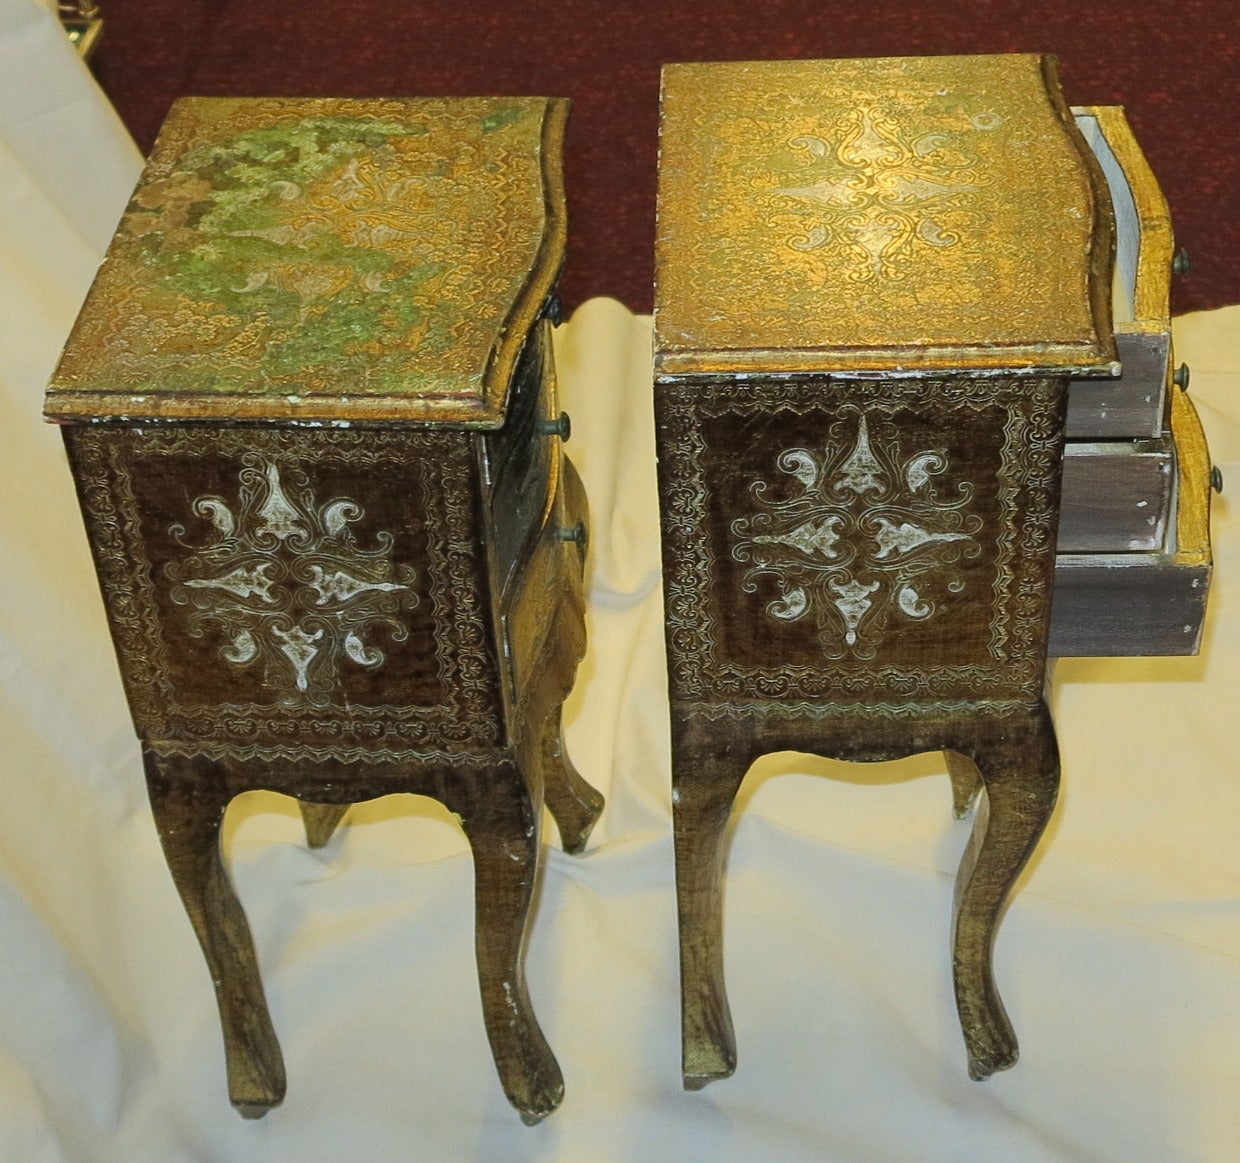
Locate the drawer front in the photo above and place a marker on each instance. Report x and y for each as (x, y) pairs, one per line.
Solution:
(545, 609)
(290, 592)
(521, 459)
(827, 541)
(1135, 404)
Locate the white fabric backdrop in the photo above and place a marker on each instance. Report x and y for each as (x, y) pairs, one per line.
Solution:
(1119, 959)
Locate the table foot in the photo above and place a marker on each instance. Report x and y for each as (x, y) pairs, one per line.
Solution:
(574, 804)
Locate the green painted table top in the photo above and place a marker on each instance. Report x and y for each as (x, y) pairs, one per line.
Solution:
(325, 260)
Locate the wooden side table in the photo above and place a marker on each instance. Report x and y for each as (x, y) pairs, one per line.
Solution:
(875, 278)
(310, 409)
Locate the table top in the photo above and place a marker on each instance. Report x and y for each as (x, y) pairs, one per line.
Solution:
(328, 260)
(916, 213)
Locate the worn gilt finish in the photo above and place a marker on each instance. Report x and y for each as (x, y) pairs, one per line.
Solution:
(322, 577)
(830, 215)
(866, 317)
(325, 260)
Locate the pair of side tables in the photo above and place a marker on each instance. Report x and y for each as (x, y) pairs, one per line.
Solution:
(310, 409)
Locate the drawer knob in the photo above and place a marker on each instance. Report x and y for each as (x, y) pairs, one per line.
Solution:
(1180, 264)
(561, 426)
(1216, 478)
(1181, 377)
(577, 533)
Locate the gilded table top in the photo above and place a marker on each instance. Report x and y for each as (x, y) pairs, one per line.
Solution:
(325, 260)
(919, 213)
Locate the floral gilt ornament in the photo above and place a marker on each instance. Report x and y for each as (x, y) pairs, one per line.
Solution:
(878, 193)
(864, 537)
(287, 585)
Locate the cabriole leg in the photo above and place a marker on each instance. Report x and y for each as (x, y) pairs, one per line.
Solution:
(320, 821)
(501, 823)
(966, 782)
(706, 775)
(189, 798)
(574, 804)
(1021, 779)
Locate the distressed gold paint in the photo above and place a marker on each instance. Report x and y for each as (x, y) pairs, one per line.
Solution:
(292, 258)
(919, 212)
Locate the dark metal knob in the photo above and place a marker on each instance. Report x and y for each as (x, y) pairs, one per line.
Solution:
(1180, 264)
(1216, 478)
(554, 310)
(577, 533)
(561, 426)
(1181, 377)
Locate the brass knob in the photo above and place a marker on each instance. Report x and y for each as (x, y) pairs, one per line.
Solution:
(1216, 478)
(1181, 377)
(1180, 264)
(561, 426)
(577, 533)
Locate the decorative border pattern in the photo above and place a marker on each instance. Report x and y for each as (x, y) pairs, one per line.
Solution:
(760, 710)
(466, 719)
(1028, 479)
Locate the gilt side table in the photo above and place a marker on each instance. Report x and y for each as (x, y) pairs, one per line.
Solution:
(874, 279)
(310, 410)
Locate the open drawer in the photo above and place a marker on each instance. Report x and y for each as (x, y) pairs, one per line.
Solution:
(1145, 603)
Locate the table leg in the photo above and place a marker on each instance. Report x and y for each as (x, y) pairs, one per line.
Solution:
(707, 770)
(501, 819)
(1020, 773)
(574, 804)
(966, 782)
(188, 799)
(320, 821)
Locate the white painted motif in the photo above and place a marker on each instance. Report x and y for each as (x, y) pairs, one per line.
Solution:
(286, 582)
(863, 536)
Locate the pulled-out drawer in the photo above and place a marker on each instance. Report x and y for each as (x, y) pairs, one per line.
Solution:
(1134, 404)
(1145, 603)
(1116, 496)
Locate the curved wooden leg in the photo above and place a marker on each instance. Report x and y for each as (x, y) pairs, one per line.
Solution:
(574, 804)
(706, 775)
(1021, 777)
(189, 799)
(320, 821)
(966, 782)
(501, 823)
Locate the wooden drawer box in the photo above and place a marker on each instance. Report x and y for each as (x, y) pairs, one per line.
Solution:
(1145, 603)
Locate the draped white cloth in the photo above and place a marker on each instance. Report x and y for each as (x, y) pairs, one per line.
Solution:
(1119, 959)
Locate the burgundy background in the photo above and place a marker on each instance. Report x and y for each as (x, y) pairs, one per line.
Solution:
(1172, 63)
